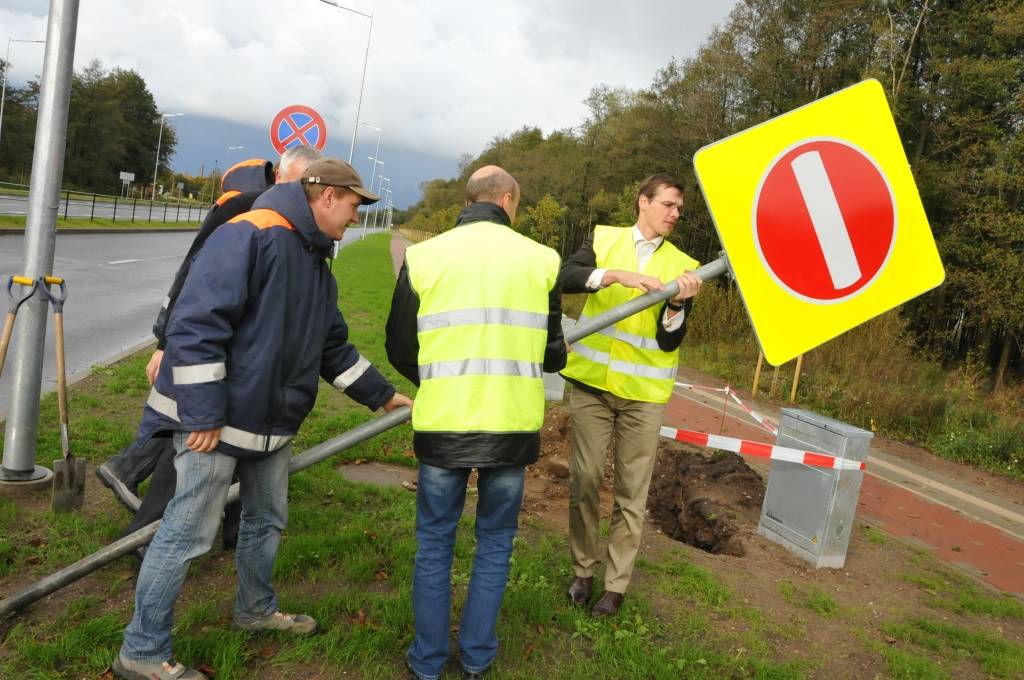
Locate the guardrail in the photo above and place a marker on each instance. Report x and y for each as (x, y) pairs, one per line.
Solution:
(81, 204)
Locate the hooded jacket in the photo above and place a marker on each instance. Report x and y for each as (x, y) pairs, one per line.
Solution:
(241, 185)
(256, 322)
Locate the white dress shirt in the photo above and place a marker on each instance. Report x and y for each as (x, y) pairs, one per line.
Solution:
(644, 250)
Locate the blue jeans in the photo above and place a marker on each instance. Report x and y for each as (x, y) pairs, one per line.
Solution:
(188, 529)
(440, 497)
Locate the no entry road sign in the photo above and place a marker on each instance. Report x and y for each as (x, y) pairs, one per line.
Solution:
(820, 218)
(296, 125)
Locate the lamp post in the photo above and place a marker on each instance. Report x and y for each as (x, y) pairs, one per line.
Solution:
(383, 194)
(376, 154)
(376, 162)
(159, 138)
(362, 83)
(7, 67)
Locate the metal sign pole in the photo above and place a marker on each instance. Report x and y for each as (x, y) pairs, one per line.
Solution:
(40, 237)
(317, 454)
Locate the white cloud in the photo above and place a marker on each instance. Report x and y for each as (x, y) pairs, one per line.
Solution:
(443, 77)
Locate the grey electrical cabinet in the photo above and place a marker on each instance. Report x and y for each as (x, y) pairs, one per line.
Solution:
(810, 510)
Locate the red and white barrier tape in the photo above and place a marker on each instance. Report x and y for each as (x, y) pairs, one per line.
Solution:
(730, 392)
(760, 419)
(749, 448)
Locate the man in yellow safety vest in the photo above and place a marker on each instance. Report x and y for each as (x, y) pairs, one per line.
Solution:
(621, 379)
(475, 320)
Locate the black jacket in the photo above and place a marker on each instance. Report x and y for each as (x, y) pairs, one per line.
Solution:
(242, 185)
(467, 449)
(573, 279)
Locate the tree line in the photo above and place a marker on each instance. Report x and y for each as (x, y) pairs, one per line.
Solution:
(953, 72)
(113, 125)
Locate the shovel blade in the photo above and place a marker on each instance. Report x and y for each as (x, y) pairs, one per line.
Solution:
(68, 485)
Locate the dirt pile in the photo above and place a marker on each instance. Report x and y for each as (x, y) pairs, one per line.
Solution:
(711, 501)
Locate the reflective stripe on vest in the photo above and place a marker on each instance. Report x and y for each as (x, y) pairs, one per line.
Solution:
(637, 341)
(234, 436)
(626, 359)
(493, 315)
(482, 329)
(455, 369)
(626, 367)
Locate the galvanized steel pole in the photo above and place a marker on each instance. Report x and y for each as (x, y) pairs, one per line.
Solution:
(317, 454)
(40, 238)
(135, 540)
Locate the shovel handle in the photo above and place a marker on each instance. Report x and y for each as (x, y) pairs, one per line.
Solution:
(62, 384)
(56, 299)
(16, 301)
(5, 338)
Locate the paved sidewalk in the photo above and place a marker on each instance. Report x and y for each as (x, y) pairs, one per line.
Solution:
(958, 521)
(398, 246)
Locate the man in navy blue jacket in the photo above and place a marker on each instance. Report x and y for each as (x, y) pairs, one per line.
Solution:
(255, 326)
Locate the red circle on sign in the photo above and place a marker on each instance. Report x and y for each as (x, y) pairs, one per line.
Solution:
(824, 220)
(298, 125)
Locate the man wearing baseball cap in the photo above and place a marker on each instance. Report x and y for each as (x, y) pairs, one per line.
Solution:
(251, 333)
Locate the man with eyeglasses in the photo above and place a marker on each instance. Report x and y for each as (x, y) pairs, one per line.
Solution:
(621, 379)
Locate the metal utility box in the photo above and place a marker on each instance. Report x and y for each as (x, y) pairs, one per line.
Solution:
(810, 510)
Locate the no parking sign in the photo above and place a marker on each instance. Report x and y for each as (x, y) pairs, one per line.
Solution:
(820, 218)
(298, 125)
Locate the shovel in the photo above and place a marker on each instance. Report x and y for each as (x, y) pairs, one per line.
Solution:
(69, 473)
(15, 301)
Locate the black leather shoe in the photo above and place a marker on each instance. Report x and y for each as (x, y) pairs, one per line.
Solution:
(473, 675)
(609, 604)
(580, 589)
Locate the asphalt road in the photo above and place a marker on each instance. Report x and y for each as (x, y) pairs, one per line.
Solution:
(116, 283)
(123, 209)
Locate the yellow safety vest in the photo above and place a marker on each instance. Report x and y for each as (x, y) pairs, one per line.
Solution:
(625, 359)
(482, 328)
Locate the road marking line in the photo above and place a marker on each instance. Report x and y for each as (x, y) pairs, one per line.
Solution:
(823, 207)
(143, 259)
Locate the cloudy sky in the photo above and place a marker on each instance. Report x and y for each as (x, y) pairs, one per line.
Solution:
(443, 77)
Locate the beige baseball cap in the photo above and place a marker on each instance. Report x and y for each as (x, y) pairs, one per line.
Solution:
(337, 173)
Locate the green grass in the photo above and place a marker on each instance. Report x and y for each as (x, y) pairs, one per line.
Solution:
(347, 559)
(953, 592)
(811, 598)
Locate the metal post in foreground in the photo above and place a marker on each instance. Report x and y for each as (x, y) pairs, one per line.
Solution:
(40, 237)
(319, 453)
(143, 536)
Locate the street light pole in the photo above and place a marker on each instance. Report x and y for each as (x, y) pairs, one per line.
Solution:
(7, 67)
(159, 138)
(383, 195)
(376, 162)
(362, 83)
(376, 154)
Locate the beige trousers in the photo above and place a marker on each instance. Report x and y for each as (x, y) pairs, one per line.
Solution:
(594, 418)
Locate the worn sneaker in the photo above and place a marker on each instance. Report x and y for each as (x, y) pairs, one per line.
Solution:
(300, 624)
(121, 491)
(141, 670)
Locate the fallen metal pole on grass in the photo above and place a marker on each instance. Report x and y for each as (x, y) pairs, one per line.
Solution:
(322, 452)
(142, 537)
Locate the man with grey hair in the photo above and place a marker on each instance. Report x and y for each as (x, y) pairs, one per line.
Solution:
(241, 184)
(294, 162)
